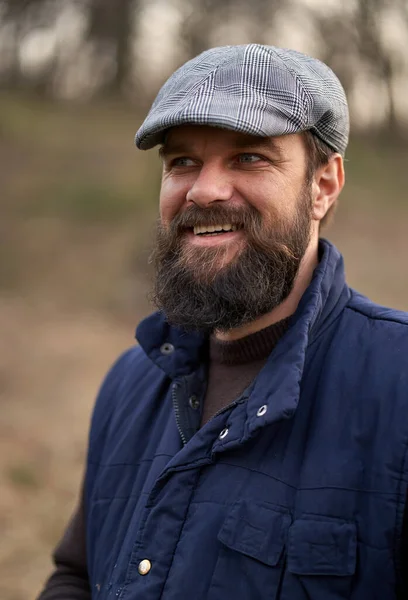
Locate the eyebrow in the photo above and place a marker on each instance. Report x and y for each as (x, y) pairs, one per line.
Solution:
(249, 142)
(252, 142)
(173, 148)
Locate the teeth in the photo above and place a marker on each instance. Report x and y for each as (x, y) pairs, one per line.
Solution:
(210, 229)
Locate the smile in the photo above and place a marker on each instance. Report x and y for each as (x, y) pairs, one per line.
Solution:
(214, 235)
(212, 230)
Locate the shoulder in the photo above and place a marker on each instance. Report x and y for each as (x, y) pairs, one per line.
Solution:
(385, 316)
(128, 368)
(377, 331)
(131, 373)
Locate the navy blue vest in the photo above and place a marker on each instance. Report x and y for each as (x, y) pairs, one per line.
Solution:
(295, 491)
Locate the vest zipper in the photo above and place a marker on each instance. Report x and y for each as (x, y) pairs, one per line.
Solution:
(177, 412)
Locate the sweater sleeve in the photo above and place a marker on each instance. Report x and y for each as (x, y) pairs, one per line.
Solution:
(69, 580)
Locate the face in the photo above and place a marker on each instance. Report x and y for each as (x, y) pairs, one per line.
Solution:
(235, 222)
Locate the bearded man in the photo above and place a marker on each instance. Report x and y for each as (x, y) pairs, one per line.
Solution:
(254, 444)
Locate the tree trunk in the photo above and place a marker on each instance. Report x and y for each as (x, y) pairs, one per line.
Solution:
(112, 22)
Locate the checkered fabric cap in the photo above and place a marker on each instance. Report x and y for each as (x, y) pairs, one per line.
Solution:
(253, 89)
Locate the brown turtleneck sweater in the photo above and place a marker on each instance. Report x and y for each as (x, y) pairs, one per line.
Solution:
(232, 367)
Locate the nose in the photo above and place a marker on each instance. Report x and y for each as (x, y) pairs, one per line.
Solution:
(211, 185)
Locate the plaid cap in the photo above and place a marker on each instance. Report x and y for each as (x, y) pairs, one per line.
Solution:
(253, 89)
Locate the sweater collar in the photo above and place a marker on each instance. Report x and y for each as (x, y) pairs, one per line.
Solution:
(253, 347)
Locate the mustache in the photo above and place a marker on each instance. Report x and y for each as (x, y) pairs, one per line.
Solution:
(266, 239)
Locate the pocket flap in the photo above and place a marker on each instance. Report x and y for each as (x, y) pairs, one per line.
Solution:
(256, 530)
(322, 547)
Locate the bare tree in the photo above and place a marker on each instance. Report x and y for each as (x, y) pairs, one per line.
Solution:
(22, 16)
(376, 56)
(111, 27)
(199, 19)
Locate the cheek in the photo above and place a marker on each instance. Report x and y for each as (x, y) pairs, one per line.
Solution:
(276, 201)
(268, 206)
(172, 197)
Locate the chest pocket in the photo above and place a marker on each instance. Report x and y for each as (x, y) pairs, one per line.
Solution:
(321, 559)
(264, 555)
(250, 560)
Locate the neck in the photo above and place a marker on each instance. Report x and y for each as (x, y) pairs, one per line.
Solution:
(287, 307)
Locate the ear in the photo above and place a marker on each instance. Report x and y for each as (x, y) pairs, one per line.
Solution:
(328, 182)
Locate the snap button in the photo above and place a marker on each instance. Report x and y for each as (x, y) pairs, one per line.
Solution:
(194, 402)
(261, 411)
(223, 433)
(166, 348)
(144, 567)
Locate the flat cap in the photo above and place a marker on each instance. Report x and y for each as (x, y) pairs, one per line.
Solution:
(253, 89)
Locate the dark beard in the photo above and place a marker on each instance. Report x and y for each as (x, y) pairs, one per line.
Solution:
(197, 292)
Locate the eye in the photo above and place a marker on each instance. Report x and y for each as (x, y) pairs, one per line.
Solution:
(182, 161)
(248, 158)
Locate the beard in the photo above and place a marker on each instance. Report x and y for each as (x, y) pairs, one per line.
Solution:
(203, 289)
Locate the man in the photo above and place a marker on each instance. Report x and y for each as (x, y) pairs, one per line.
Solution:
(254, 444)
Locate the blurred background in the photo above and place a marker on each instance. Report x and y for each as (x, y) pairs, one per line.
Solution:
(78, 205)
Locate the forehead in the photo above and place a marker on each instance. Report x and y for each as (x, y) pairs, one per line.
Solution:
(191, 137)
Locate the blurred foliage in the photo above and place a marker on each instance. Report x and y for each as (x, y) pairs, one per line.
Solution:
(86, 202)
(23, 476)
(84, 48)
(78, 203)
